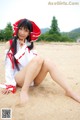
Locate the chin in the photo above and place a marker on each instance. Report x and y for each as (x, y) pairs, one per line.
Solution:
(20, 38)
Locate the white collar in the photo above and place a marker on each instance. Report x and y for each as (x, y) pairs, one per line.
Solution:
(26, 42)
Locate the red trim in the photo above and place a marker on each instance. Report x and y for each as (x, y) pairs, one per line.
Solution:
(11, 86)
(28, 49)
(11, 41)
(10, 55)
(21, 55)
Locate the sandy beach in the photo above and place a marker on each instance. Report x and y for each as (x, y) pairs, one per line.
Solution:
(48, 100)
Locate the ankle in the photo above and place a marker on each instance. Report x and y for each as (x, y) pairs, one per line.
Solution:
(25, 89)
(69, 92)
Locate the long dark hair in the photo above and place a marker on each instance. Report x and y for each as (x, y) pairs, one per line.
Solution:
(27, 25)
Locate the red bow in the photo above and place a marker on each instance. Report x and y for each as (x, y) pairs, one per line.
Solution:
(15, 27)
(33, 35)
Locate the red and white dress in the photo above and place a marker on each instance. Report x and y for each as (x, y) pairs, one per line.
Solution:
(23, 57)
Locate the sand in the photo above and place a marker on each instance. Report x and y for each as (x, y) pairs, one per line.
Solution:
(48, 101)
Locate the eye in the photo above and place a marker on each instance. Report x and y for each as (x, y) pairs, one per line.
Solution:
(26, 30)
(20, 28)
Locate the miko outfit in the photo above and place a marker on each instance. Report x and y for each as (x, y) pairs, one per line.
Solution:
(23, 56)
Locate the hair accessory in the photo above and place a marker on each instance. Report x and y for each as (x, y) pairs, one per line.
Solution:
(33, 35)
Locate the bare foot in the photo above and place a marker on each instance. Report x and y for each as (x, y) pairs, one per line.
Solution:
(73, 96)
(24, 97)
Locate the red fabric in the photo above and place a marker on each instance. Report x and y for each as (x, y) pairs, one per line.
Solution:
(11, 86)
(10, 55)
(10, 41)
(36, 32)
(33, 35)
(15, 27)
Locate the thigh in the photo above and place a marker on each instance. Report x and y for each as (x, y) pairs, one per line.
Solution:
(44, 70)
(20, 76)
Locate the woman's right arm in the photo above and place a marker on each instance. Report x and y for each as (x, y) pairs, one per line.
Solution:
(9, 70)
(9, 66)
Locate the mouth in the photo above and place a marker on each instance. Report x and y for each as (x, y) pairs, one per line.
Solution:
(21, 36)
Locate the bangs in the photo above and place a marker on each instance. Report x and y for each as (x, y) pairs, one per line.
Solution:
(26, 24)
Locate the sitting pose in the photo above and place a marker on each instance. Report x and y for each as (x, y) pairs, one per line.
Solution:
(24, 67)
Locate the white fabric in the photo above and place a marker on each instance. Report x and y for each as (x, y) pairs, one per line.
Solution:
(23, 56)
(9, 72)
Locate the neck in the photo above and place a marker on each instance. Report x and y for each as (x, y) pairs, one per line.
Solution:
(21, 42)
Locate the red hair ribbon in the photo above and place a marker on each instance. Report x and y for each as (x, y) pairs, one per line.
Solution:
(15, 27)
(33, 35)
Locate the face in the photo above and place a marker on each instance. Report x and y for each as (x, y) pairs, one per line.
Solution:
(23, 33)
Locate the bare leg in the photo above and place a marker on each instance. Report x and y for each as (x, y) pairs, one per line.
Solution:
(27, 75)
(57, 77)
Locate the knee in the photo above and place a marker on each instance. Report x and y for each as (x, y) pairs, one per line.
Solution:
(38, 60)
(49, 64)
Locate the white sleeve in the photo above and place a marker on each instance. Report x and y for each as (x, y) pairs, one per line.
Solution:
(9, 71)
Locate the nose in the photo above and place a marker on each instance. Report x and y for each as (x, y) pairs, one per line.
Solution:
(22, 32)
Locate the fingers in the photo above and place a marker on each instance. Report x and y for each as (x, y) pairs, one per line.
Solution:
(5, 91)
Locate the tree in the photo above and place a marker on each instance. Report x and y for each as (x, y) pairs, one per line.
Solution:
(2, 35)
(8, 31)
(54, 27)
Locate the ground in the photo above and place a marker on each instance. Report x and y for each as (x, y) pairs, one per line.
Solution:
(48, 101)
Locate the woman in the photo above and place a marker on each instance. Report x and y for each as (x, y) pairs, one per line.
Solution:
(23, 67)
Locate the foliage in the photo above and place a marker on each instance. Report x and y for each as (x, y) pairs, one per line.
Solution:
(54, 34)
(49, 34)
(54, 27)
(65, 38)
(2, 34)
(54, 38)
(6, 33)
(74, 34)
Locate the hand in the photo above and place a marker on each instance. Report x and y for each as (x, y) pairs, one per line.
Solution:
(5, 91)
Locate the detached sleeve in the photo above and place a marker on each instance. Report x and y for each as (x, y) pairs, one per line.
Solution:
(9, 71)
